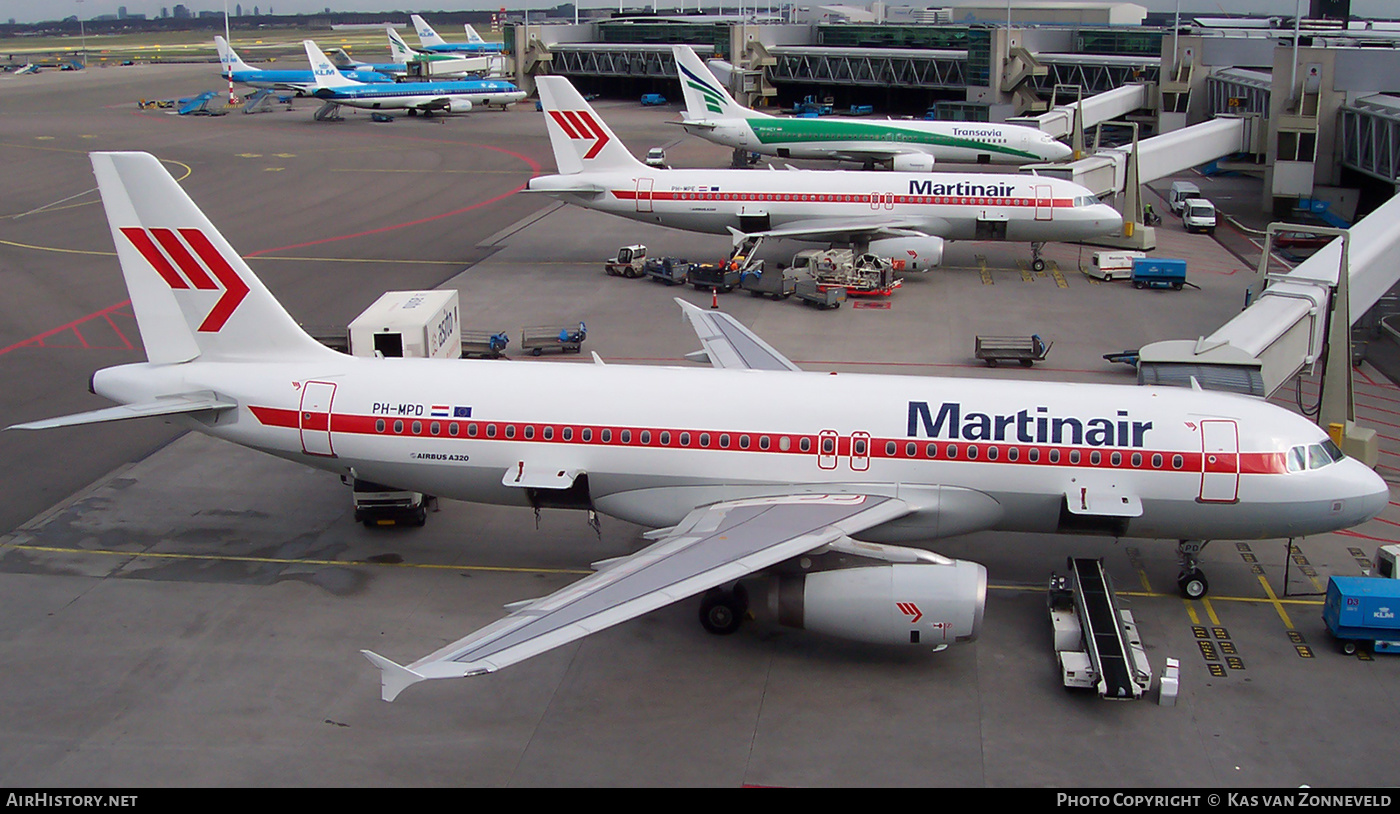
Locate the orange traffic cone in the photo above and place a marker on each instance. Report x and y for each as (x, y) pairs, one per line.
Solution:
(714, 298)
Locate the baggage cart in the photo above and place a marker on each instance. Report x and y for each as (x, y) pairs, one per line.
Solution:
(1024, 349)
(812, 293)
(562, 338)
(668, 270)
(486, 344)
(713, 277)
(777, 284)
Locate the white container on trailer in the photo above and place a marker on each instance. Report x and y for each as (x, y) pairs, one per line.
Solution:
(419, 324)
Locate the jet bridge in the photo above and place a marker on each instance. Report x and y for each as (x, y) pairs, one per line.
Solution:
(1101, 107)
(1106, 172)
(1284, 330)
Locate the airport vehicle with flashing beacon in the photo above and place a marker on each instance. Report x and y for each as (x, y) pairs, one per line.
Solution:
(820, 488)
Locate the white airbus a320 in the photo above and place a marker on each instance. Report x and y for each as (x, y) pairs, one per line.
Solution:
(817, 481)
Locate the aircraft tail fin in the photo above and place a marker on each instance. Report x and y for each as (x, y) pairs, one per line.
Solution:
(426, 35)
(398, 49)
(228, 58)
(581, 140)
(473, 37)
(193, 295)
(325, 71)
(342, 60)
(705, 98)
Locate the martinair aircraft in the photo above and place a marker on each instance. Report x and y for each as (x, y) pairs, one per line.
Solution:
(458, 96)
(904, 146)
(890, 214)
(807, 480)
(303, 82)
(431, 41)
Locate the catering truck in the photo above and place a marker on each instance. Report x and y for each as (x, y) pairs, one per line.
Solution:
(410, 324)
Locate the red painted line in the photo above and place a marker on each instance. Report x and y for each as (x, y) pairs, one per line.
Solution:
(38, 339)
(1366, 536)
(126, 341)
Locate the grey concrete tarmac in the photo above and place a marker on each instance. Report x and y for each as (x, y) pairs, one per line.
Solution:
(179, 611)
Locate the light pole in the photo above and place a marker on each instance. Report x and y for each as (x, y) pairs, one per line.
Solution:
(232, 97)
(82, 31)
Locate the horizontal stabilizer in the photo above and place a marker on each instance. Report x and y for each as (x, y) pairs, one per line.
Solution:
(167, 405)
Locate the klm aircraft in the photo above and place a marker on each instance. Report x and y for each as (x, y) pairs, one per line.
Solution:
(434, 43)
(303, 82)
(429, 97)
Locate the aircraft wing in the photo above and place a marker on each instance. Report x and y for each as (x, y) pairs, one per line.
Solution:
(440, 103)
(728, 344)
(850, 230)
(714, 545)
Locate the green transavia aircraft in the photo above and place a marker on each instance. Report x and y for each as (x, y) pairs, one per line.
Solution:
(905, 146)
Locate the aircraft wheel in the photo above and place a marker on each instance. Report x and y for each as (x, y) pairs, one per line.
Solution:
(721, 611)
(1038, 264)
(1193, 583)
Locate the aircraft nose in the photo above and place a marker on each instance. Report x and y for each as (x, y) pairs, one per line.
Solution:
(1061, 151)
(1375, 492)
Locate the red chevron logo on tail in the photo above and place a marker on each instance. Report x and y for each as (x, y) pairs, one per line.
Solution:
(580, 124)
(187, 254)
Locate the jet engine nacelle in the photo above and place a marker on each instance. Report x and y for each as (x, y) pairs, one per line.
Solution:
(458, 106)
(912, 162)
(903, 603)
(910, 253)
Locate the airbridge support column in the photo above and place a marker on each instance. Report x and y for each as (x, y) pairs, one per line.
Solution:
(1110, 173)
(1284, 331)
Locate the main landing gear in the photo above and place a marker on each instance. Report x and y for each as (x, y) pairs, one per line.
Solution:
(1037, 262)
(1192, 580)
(723, 610)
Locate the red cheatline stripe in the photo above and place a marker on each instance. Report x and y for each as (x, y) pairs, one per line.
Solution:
(235, 289)
(994, 452)
(563, 123)
(182, 257)
(148, 250)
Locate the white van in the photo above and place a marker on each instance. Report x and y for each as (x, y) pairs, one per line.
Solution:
(1113, 265)
(1199, 216)
(1181, 192)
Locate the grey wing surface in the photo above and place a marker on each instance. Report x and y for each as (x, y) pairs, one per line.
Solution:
(713, 546)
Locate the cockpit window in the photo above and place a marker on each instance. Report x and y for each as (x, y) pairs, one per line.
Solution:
(1313, 456)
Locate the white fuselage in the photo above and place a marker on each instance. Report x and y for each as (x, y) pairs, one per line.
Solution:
(856, 139)
(970, 454)
(955, 206)
(424, 95)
